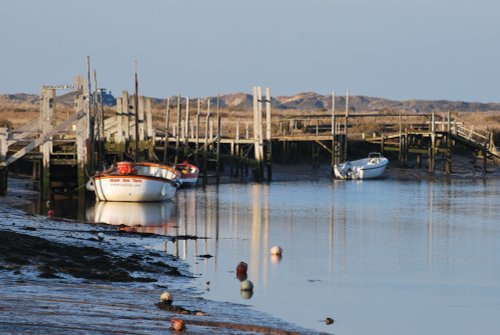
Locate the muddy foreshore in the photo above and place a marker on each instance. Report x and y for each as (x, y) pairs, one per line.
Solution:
(68, 277)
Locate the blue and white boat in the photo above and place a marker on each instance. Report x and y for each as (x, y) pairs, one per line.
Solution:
(366, 168)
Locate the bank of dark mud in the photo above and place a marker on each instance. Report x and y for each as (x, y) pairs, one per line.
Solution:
(67, 277)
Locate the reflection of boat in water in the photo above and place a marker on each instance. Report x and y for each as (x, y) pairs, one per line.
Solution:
(188, 173)
(141, 181)
(150, 217)
(366, 168)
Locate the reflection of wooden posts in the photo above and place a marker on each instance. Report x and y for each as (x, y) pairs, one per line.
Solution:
(167, 124)
(268, 135)
(46, 116)
(218, 166)
(205, 147)
(178, 132)
(3, 158)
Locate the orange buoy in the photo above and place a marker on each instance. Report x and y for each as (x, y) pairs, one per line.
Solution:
(241, 270)
(177, 324)
(50, 213)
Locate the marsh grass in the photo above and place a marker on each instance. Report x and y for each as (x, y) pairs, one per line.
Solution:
(15, 115)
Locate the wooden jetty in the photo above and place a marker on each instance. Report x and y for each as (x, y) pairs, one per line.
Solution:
(87, 140)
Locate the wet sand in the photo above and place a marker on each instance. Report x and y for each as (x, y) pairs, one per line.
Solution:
(60, 277)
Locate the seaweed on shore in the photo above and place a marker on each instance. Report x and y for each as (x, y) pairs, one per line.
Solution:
(51, 258)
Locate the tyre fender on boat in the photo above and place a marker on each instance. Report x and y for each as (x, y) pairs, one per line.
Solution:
(90, 185)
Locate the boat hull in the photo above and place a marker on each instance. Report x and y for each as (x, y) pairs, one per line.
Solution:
(367, 168)
(133, 188)
(188, 173)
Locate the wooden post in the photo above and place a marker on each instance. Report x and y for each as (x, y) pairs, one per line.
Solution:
(3, 158)
(236, 153)
(167, 121)
(269, 135)
(186, 138)
(137, 117)
(178, 132)
(46, 116)
(141, 113)
(433, 144)
(448, 145)
(333, 130)
(126, 112)
(260, 134)
(81, 150)
(382, 140)
(149, 127)
(218, 166)
(400, 155)
(119, 138)
(197, 131)
(255, 120)
(205, 148)
(346, 124)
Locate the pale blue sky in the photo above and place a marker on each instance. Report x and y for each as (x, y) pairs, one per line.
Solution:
(397, 49)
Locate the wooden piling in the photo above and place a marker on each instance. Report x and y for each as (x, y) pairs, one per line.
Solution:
(218, 162)
(197, 131)
(268, 136)
(346, 122)
(47, 112)
(186, 132)
(205, 147)
(150, 136)
(3, 159)
(333, 131)
(81, 153)
(167, 123)
(178, 132)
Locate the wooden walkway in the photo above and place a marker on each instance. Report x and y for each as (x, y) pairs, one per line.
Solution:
(85, 141)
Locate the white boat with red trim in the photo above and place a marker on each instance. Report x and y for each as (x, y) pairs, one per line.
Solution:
(366, 168)
(140, 181)
(189, 173)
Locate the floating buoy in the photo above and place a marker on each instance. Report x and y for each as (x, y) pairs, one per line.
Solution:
(276, 250)
(329, 321)
(100, 236)
(50, 213)
(167, 298)
(177, 324)
(241, 269)
(246, 285)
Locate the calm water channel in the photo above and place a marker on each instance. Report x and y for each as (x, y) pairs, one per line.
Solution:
(380, 257)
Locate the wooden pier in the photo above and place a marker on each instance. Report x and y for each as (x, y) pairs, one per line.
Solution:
(87, 141)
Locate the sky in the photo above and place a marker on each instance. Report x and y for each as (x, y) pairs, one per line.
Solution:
(395, 49)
